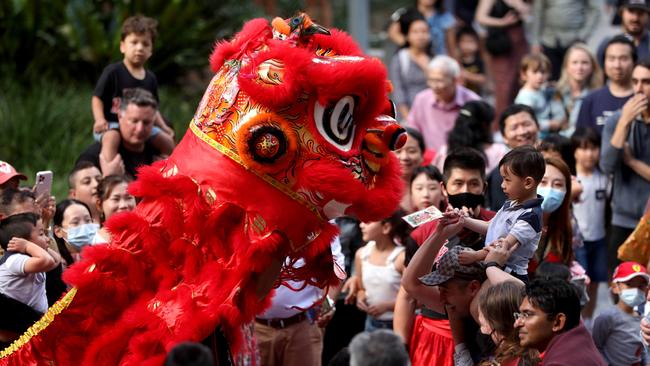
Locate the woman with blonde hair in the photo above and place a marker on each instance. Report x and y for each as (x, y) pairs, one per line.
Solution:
(580, 75)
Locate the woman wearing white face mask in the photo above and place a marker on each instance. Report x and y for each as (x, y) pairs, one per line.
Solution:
(69, 214)
(557, 236)
(73, 228)
(556, 245)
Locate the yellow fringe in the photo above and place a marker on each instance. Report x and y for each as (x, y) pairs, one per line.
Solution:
(41, 324)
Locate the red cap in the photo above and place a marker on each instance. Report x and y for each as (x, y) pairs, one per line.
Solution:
(7, 172)
(628, 270)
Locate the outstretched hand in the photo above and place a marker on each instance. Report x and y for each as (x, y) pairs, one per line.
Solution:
(451, 223)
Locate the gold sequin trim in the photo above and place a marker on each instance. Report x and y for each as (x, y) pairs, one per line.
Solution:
(41, 324)
(232, 155)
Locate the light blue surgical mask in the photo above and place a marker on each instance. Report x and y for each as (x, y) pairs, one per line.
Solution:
(81, 235)
(553, 198)
(632, 297)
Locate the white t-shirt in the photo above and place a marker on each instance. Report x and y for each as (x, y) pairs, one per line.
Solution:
(28, 288)
(381, 282)
(589, 210)
(289, 301)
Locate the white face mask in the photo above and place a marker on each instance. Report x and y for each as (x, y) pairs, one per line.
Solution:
(81, 235)
(632, 297)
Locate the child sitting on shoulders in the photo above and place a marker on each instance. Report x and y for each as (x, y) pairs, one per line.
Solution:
(26, 259)
(518, 224)
(138, 35)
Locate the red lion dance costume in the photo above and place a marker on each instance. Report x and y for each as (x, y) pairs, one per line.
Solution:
(291, 132)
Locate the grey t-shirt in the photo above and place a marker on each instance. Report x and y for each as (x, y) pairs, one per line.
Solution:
(617, 336)
(589, 210)
(630, 191)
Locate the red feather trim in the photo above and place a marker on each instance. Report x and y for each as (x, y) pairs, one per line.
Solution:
(248, 39)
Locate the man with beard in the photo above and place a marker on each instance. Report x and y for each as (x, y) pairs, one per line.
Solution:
(597, 106)
(635, 17)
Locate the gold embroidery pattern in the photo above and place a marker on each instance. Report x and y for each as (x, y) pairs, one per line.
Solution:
(41, 324)
(232, 155)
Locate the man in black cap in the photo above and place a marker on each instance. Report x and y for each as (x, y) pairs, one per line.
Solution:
(635, 16)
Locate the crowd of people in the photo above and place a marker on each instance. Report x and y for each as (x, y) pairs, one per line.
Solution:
(532, 146)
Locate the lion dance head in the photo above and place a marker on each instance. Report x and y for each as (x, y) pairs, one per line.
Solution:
(295, 129)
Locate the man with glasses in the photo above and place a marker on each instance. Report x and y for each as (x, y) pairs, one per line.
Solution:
(549, 321)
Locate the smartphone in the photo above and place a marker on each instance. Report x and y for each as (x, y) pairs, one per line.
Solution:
(43, 186)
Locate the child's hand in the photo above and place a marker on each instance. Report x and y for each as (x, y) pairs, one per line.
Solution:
(497, 243)
(18, 245)
(455, 213)
(450, 224)
(499, 252)
(468, 256)
(100, 126)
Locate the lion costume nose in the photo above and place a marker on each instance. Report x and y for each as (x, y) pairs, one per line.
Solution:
(380, 140)
(394, 136)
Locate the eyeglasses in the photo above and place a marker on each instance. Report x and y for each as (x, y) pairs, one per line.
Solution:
(522, 316)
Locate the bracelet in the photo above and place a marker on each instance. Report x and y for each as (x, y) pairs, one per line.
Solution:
(492, 264)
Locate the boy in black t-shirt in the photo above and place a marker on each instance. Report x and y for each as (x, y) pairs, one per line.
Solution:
(138, 35)
(473, 73)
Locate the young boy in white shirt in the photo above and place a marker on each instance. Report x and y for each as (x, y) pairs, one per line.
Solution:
(26, 259)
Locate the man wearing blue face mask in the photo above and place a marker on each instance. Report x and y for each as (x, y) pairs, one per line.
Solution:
(616, 331)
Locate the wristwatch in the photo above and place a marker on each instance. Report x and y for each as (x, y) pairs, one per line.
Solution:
(492, 264)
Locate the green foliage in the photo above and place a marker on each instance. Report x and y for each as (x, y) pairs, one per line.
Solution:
(75, 39)
(47, 125)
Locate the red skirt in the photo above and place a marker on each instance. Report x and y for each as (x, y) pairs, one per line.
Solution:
(431, 342)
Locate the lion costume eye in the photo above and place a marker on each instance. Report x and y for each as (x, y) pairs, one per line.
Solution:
(336, 123)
